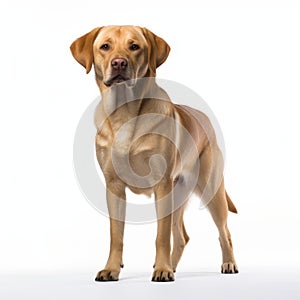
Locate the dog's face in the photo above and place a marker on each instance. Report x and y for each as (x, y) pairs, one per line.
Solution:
(120, 53)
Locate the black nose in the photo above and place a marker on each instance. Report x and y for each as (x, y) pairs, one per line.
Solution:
(119, 63)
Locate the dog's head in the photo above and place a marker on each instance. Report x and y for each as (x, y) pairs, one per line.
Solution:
(120, 53)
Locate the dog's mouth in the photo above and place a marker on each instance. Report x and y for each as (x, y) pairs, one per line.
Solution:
(118, 78)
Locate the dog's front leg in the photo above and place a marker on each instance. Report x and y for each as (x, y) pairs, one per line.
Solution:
(164, 207)
(116, 207)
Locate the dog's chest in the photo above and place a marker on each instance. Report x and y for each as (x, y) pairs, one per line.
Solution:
(139, 151)
(132, 135)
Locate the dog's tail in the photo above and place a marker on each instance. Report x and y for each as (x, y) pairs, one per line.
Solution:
(231, 206)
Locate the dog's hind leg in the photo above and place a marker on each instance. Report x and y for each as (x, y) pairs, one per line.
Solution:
(212, 191)
(218, 209)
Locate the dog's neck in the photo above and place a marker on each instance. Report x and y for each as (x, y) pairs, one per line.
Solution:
(130, 96)
(131, 111)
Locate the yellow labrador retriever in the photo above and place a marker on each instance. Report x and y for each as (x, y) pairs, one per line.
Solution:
(137, 125)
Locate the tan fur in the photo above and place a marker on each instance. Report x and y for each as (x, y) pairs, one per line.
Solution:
(231, 206)
(100, 48)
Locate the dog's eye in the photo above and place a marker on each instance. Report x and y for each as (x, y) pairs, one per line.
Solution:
(134, 47)
(104, 47)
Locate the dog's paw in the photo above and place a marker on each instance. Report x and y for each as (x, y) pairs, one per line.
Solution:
(107, 275)
(229, 268)
(163, 275)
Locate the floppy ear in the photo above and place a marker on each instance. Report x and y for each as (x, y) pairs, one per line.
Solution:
(158, 50)
(82, 49)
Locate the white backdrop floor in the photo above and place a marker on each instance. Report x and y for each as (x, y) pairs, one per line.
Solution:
(269, 283)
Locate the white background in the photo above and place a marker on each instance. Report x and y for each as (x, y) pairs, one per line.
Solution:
(242, 57)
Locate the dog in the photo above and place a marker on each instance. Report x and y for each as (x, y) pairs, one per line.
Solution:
(132, 136)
